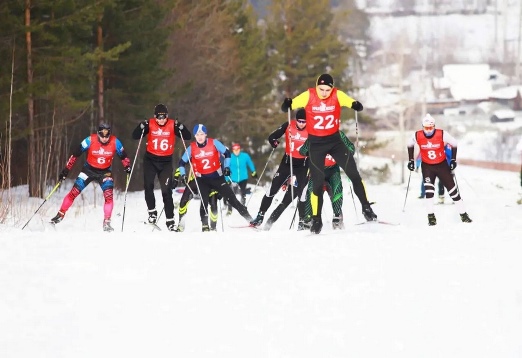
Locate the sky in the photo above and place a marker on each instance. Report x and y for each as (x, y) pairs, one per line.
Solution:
(370, 290)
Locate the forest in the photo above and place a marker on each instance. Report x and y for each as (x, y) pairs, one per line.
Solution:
(68, 65)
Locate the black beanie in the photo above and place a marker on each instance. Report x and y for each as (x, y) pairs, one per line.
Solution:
(325, 79)
(300, 114)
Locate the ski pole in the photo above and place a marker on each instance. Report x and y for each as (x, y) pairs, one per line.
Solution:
(407, 189)
(260, 176)
(47, 198)
(357, 136)
(353, 200)
(293, 218)
(291, 167)
(128, 179)
(220, 215)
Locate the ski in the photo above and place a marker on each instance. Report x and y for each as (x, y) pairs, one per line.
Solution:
(154, 226)
(378, 222)
(244, 226)
(52, 224)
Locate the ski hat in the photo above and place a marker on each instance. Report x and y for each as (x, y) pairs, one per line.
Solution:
(104, 130)
(428, 122)
(161, 111)
(236, 146)
(199, 128)
(300, 114)
(325, 79)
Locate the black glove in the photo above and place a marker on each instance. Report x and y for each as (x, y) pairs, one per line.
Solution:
(63, 174)
(411, 165)
(226, 171)
(254, 174)
(174, 183)
(184, 179)
(144, 125)
(127, 169)
(453, 164)
(274, 143)
(357, 106)
(175, 179)
(287, 104)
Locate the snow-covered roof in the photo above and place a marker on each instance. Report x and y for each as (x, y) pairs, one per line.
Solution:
(509, 92)
(466, 72)
(468, 81)
(471, 91)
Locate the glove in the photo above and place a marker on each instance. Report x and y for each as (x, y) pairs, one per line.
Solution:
(174, 183)
(254, 175)
(453, 164)
(184, 179)
(226, 171)
(411, 165)
(357, 106)
(127, 169)
(274, 143)
(144, 124)
(63, 174)
(287, 104)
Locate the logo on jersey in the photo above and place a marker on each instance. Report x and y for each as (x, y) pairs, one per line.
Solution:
(323, 108)
(298, 137)
(430, 145)
(161, 133)
(102, 152)
(202, 154)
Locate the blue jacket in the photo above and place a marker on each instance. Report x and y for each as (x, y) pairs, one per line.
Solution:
(239, 165)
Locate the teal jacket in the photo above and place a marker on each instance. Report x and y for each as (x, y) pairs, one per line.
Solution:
(239, 166)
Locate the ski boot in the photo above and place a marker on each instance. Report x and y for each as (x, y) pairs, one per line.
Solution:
(153, 216)
(432, 220)
(171, 225)
(337, 223)
(107, 225)
(304, 224)
(464, 217)
(58, 217)
(205, 228)
(317, 225)
(258, 220)
(368, 213)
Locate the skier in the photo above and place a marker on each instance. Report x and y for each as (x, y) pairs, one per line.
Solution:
(101, 148)
(332, 184)
(296, 132)
(161, 132)
(191, 189)
(323, 111)
(447, 150)
(240, 164)
(204, 157)
(431, 144)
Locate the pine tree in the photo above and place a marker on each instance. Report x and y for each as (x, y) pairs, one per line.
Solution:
(304, 43)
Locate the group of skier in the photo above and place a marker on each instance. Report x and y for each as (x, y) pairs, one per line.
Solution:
(315, 151)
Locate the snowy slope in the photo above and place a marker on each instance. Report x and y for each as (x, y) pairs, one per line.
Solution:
(372, 290)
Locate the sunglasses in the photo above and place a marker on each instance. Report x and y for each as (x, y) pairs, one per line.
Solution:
(161, 116)
(104, 133)
(299, 121)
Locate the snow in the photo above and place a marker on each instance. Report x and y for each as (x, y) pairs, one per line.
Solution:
(371, 290)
